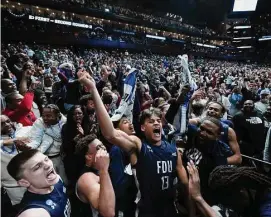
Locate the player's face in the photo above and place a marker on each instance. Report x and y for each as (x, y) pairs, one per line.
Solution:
(39, 172)
(93, 148)
(214, 110)
(152, 128)
(208, 131)
(126, 126)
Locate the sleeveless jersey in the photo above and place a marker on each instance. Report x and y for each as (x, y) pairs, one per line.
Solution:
(86, 209)
(157, 176)
(55, 203)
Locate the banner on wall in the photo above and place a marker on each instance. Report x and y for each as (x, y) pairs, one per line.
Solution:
(61, 22)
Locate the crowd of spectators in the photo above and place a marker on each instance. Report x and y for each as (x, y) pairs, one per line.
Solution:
(141, 14)
(217, 113)
(102, 30)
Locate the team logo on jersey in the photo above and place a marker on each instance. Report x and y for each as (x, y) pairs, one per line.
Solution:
(64, 189)
(51, 204)
(174, 154)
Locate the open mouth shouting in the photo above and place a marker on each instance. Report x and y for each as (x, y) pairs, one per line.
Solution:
(157, 132)
(51, 175)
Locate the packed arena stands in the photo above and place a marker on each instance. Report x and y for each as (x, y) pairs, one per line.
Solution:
(106, 116)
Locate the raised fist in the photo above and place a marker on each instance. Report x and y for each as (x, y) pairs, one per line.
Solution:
(102, 160)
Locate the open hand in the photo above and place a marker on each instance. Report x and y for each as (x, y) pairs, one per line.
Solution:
(194, 181)
(80, 129)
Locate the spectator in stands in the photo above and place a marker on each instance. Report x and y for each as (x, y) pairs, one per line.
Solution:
(261, 106)
(267, 118)
(7, 87)
(235, 99)
(77, 126)
(13, 139)
(247, 124)
(46, 136)
(87, 103)
(19, 108)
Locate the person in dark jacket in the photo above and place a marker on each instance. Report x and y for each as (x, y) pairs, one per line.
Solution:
(249, 128)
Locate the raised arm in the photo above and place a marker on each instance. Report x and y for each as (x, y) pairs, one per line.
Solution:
(116, 137)
(184, 180)
(194, 190)
(236, 158)
(36, 135)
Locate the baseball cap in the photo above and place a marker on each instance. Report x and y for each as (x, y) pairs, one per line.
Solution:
(265, 92)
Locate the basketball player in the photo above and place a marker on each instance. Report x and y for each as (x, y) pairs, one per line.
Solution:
(94, 186)
(46, 194)
(157, 162)
(228, 136)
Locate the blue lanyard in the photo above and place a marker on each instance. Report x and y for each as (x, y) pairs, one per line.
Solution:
(4, 149)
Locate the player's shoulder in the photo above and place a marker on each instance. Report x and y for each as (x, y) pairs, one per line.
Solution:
(34, 212)
(88, 177)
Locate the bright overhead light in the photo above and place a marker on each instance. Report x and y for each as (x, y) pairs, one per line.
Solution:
(242, 38)
(47, 9)
(244, 47)
(19, 3)
(155, 37)
(37, 7)
(264, 39)
(242, 27)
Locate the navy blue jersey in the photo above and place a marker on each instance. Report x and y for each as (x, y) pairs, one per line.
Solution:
(55, 203)
(123, 182)
(118, 162)
(157, 176)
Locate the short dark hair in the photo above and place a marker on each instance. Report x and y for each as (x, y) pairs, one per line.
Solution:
(147, 113)
(10, 97)
(54, 108)
(223, 109)
(215, 121)
(81, 147)
(84, 99)
(15, 166)
(4, 82)
(116, 123)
